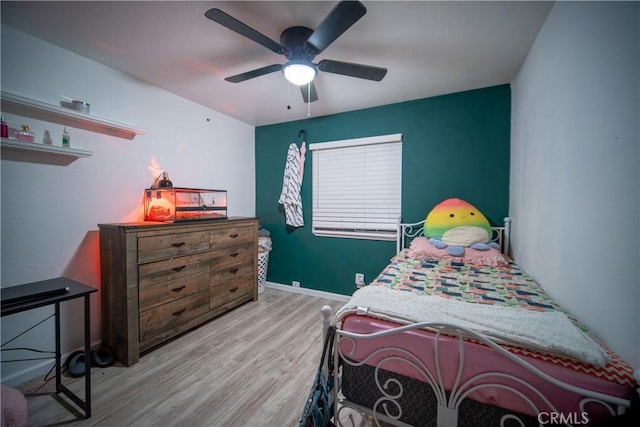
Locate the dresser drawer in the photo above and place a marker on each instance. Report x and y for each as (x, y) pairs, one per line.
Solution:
(231, 272)
(231, 235)
(163, 246)
(232, 255)
(152, 273)
(172, 314)
(235, 289)
(169, 291)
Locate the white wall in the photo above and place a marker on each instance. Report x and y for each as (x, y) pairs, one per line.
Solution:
(575, 165)
(50, 213)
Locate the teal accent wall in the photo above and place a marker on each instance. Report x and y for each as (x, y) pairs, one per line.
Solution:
(454, 145)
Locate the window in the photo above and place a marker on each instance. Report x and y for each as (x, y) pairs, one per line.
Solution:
(357, 187)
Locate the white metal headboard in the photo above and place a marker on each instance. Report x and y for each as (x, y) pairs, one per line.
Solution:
(408, 231)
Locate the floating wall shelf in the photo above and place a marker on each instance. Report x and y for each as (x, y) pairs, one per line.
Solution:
(39, 153)
(65, 116)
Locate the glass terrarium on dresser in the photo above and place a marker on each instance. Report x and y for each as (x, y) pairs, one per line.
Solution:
(175, 204)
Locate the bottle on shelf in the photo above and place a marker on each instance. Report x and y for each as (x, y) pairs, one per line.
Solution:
(5, 129)
(66, 139)
(46, 139)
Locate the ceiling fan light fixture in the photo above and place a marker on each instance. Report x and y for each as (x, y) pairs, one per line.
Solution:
(299, 72)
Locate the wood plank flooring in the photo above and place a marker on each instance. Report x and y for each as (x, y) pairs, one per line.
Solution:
(251, 367)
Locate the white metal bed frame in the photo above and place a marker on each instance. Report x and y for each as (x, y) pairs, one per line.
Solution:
(406, 232)
(448, 401)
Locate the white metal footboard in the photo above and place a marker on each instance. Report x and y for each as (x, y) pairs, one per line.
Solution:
(388, 408)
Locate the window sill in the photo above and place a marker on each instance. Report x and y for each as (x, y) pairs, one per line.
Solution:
(348, 234)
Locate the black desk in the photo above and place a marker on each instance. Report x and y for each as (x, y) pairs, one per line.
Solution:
(70, 290)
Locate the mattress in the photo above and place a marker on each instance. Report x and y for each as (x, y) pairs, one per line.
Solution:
(503, 285)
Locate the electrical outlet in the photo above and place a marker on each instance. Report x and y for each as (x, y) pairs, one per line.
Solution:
(359, 280)
(295, 284)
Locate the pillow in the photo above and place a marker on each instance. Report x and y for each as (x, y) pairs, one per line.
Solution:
(457, 222)
(421, 248)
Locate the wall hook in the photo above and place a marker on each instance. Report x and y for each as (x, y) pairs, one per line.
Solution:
(302, 133)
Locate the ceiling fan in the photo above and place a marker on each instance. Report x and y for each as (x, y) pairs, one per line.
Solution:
(300, 45)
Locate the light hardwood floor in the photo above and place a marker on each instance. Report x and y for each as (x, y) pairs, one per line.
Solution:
(251, 367)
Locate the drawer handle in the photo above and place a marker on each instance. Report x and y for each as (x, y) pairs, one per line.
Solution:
(179, 312)
(178, 289)
(234, 270)
(176, 269)
(232, 290)
(235, 254)
(233, 236)
(177, 245)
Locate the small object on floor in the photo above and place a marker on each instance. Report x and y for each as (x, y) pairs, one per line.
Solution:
(76, 364)
(102, 357)
(14, 408)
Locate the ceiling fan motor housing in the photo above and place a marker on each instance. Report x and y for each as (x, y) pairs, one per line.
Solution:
(293, 39)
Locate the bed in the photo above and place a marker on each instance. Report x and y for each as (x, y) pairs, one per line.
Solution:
(472, 340)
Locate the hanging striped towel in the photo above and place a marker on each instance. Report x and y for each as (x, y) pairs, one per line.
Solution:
(290, 197)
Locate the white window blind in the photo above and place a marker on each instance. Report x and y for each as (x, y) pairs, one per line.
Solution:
(357, 187)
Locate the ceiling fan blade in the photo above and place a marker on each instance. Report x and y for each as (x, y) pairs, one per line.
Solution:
(243, 29)
(354, 70)
(254, 73)
(341, 17)
(309, 93)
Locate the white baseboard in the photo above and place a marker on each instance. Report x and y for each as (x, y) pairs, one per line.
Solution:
(307, 291)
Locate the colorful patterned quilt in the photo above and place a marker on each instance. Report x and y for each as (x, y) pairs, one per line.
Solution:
(495, 285)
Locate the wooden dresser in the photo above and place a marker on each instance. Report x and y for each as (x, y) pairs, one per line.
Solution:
(160, 279)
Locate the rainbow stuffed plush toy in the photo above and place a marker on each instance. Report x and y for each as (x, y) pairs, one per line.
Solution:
(455, 224)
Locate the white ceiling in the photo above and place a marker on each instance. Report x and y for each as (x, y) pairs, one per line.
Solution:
(430, 48)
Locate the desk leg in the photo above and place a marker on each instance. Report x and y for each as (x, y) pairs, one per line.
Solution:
(58, 355)
(61, 388)
(87, 354)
